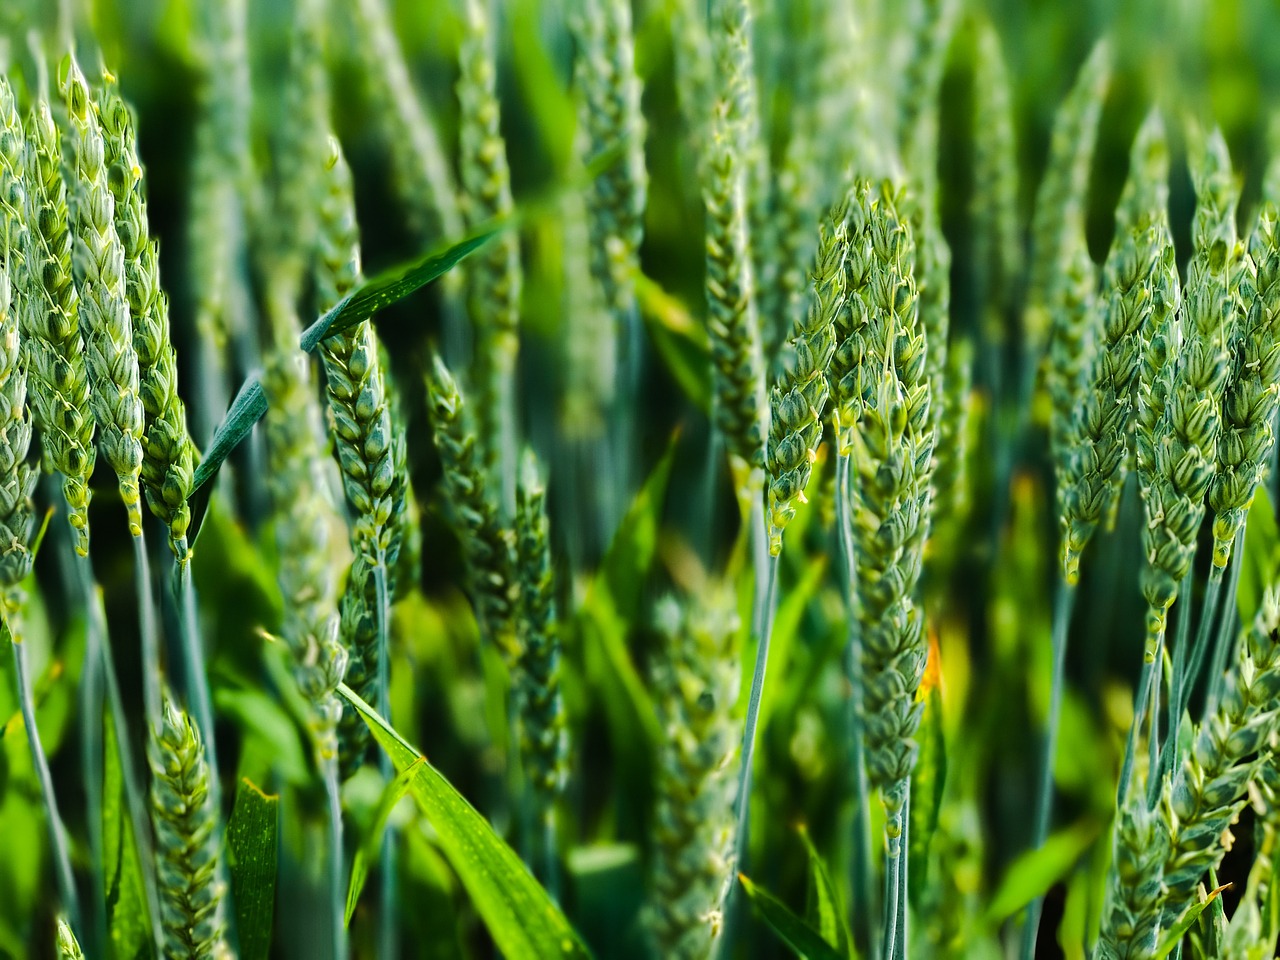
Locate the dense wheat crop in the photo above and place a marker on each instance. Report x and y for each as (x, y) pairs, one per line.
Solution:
(708, 479)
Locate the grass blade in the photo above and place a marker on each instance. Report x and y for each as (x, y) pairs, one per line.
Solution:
(523, 920)
(128, 928)
(791, 929)
(252, 848)
(372, 843)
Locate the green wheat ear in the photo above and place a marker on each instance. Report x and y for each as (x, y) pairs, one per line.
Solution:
(17, 476)
(695, 685)
(52, 348)
(185, 821)
(798, 399)
(167, 450)
(732, 322)
(488, 546)
(105, 324)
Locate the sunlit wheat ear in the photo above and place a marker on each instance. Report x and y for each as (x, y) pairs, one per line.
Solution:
(52, 348)
(488, 546)
(105, 324)
(695, 686)
(184, 821)
(893, 456)
(844, 372)
(799, 397)
(1095, 453)
(17, 476)
(167, 450)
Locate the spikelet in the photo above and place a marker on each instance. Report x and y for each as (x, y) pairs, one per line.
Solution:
(167, 450)
(544, 735)
(105, 324)
(495, 276)
(68, 946)
(1092, 467)
(420, 170)
(732, 323)
(844, 374)
(488, 546)
(893, 455)
(798, 399)
(17, 477)
(184, 821)
(52, 349)
(610, 118)
(1057, 226)
(1249, 403)
(362, 429)
(1202, 803)
(696, 685)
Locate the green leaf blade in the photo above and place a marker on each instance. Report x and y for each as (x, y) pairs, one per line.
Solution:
(252, 843)
(790, 929)
(523, 920)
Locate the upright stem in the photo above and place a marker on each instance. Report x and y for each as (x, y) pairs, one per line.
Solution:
(139, 813)
(150, 638)
(904, 887)
(388, 942)
(1226, 630)
(862, 880)
(57, 829)
(895, 834)
(1140, 701)
(337, 871)
(197, 682)
(91, 746)
(1063, 602)
(1185, 684)
(753, 716)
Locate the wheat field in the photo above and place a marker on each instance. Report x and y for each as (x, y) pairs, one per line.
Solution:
(696, 479)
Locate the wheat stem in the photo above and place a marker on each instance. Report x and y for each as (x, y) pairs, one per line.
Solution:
(337, 872)
(91, 743)
(862, 883)
(753, 714)
(197, 682)
(149, 636)
(1227, 626)
(1064, 600)
(57, 829)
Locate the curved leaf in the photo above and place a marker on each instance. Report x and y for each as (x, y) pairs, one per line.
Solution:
(523, 920)
(794, 932)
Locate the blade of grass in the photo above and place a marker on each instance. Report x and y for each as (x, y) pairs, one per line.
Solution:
(523, 920)
(252, 844)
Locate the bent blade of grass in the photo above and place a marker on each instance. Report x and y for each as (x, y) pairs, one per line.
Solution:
(523, 920)
(251, 842)
(367, 852)
(803, 939)
(1032, 874)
